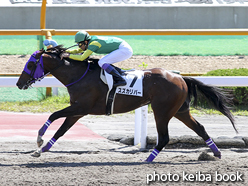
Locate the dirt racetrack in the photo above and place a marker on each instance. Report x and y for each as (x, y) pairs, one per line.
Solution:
(185, 64)
(104, 162)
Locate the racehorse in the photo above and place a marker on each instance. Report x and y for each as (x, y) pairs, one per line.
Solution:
(168, 93)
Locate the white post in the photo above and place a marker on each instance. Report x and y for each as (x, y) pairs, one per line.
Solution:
(55, 91)
(140, 133)
(144, 118)
(137, 127)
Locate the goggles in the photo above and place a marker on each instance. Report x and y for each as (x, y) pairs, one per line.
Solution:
(81, 44)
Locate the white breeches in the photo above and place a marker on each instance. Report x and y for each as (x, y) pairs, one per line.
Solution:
(122, 53)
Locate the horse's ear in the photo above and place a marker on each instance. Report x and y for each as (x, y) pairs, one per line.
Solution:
(39, 53)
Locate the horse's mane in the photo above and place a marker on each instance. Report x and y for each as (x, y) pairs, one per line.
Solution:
(56, 51)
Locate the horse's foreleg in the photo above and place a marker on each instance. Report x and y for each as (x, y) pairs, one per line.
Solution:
(68, 123)
(69, 111)
(199, 129)
(42, 132)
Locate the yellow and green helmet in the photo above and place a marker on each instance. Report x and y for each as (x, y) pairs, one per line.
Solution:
(82, 36)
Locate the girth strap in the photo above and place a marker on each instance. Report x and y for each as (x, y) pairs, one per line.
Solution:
(109, 105)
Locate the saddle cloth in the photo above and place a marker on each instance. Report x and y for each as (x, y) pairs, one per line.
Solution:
(134, 86)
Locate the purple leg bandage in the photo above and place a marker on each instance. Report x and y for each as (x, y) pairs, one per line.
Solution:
(44, 128)
(152, 155)
(48, 145)
(107, 67)
(213, 147)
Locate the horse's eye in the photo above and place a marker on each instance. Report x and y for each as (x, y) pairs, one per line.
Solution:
(30, 65)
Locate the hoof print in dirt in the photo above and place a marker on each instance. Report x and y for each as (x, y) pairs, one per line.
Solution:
(206, 157)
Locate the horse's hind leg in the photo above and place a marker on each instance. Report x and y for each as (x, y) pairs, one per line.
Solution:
(162, 118)
(163, 139)
(199, 129)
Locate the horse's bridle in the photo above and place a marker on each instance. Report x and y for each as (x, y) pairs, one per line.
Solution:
(31, 74)
(38, 63)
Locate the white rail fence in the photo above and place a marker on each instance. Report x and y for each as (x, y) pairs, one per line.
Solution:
(240, 81)
(140, 113)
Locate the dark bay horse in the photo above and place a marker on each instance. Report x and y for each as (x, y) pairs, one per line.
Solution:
(169, 95)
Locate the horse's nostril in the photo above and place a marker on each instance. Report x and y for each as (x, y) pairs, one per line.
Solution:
(18, 84)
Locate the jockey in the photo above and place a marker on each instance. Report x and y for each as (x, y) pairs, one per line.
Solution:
(116, 49)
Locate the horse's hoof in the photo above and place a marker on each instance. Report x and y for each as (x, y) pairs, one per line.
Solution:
(40, 141)
(218, 155)
(36, 153)
(146, 161)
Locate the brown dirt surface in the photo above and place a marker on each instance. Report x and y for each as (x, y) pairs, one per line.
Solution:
(106, 162)
(13, 64)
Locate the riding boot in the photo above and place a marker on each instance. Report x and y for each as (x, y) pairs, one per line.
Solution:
(118, 80)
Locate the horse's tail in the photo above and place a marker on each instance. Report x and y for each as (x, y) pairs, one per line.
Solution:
(217, 96)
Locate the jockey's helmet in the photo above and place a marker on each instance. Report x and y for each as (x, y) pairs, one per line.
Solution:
(82, 36)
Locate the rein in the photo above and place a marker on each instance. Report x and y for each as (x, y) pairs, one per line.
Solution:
(76, 80)
(61, 64)
(81, 77)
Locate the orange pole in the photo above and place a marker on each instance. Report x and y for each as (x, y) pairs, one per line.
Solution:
(48, 34)
(43, 15)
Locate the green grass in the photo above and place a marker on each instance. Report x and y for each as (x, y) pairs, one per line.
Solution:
(145, 45)
(50, 104)
(14, 94)
(228, 72)
(55, 103)
(189, 45)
